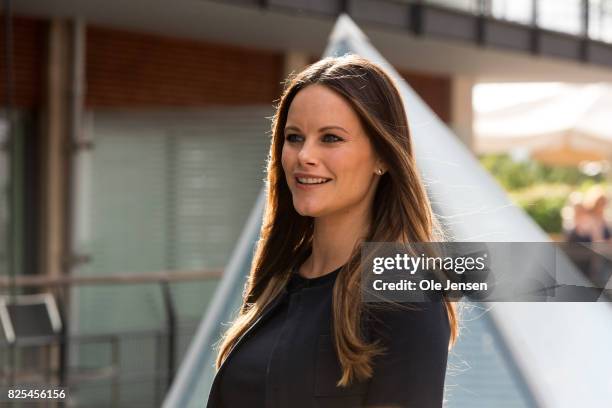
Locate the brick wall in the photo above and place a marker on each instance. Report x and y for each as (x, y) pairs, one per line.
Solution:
(128, 69)
(27, 62)
(435, 91)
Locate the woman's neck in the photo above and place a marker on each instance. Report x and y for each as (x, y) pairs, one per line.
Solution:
(334, 238)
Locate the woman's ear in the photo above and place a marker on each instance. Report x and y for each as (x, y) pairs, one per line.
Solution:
(380, 168)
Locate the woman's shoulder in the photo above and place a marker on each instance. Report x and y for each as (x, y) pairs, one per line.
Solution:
(391, 320)
(410, 370)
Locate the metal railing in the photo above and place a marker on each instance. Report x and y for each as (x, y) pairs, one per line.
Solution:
(588, 18)
(50, 360)
(111, 377)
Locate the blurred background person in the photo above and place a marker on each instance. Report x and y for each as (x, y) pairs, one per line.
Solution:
(589, 226)
(589, 218)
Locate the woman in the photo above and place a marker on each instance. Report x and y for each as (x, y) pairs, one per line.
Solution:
(341, 171)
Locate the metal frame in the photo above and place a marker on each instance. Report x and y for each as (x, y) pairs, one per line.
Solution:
(477, 26)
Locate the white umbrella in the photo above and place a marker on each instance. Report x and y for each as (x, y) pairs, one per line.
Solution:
(570, 124)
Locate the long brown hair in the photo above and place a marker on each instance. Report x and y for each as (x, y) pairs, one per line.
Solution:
(401, 211)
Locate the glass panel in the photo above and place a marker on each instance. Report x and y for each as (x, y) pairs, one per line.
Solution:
(480, 372)
(519, 11)
(564, 16)
(600, 20)
(464, 5)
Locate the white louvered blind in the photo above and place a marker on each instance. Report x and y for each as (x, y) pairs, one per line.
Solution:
(166, 191)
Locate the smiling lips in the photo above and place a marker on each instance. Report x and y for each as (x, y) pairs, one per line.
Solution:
(311, 180)
(305, 181)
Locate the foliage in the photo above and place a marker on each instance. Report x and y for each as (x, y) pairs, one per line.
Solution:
(541, 190)
(544, 203)
(514, 175)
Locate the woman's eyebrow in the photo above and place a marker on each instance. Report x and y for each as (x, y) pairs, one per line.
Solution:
(324, 128)
(333, 127)
(290, 127)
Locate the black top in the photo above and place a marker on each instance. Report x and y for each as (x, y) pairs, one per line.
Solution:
(287, 358)
(244, 378)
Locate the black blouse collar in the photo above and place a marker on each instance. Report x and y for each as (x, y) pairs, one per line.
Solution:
(297, 281)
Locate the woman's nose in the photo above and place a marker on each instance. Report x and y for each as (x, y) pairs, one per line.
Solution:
(307, 154)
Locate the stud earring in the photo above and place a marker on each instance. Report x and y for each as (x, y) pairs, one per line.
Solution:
(379, 172)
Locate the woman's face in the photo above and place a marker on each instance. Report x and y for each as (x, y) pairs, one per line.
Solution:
(327, 157)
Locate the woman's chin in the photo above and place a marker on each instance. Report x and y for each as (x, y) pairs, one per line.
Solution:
(308, 211)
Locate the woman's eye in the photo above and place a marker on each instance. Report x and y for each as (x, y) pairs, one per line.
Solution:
(329, 138)
(292, 137)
